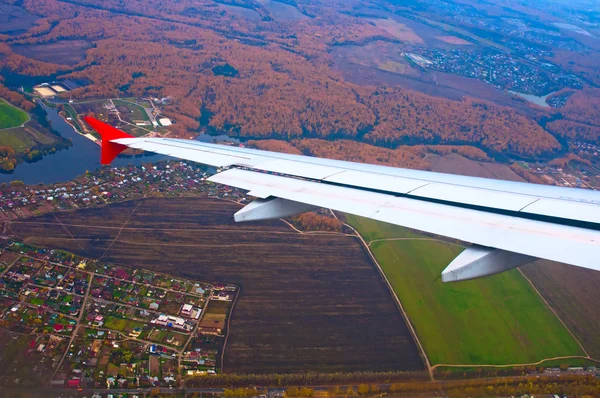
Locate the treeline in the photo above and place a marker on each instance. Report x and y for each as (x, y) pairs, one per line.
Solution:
(294, 379)
(15, 98)
(579, 119)
(568, 159)
(571, 385)
(466, 151)
(526, 174)
(312, 221)
(8, 160)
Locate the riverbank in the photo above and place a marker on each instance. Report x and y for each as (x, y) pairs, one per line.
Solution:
(86, 135)
(68, 164)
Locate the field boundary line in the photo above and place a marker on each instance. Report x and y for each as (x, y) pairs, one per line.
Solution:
(555, 314)
(66, 230)
(401, 239)
(409, 324)
(228, 330)
(120, 230)
(168, 229)
(315, 232)
(512, 365)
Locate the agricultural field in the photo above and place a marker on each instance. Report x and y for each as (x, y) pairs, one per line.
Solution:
(11, 116)
(23, 138)
(456, 164)
(573, 293)
(17, 359)
(306, 302)
(61, 52)
(496, 320)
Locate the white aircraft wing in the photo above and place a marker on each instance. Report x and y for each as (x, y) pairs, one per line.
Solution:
(508, 223)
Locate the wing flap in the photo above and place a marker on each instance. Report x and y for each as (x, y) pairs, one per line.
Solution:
(567, 244)
(474, 196)
(560, 202)
(380, 182)
(565, 209)
(498, 214)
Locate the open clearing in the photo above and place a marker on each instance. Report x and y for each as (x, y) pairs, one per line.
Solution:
(62, 52)
(11, 116)
(307, 301)
(15, 20)
(454, 40)
(398, 30)
(496, 320)
(284, 12)
(456, 164)
(383, 63)
(27, 137)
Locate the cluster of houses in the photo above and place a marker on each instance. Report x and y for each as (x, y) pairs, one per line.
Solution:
(43, 290)
(173, 322)
(109, 184)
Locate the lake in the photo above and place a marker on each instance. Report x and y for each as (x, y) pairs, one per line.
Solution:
(534, 99)
(247, 13)
(284, 12)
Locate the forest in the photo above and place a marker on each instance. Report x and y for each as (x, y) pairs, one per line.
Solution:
(411, 157)
(268, 79)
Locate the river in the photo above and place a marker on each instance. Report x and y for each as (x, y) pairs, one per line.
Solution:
(67, 164)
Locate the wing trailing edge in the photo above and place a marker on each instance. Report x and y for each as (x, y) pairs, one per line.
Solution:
(509, 223)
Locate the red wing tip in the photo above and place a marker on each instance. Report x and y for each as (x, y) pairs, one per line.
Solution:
(110, 150)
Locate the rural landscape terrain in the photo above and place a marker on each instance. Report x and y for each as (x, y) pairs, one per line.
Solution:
(134, 280)
(275, 298)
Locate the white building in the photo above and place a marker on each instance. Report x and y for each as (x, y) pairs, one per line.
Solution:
(165, 121)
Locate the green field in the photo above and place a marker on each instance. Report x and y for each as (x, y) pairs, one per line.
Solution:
(114, 323)
(22, 139)
(495, 320)
(11, 116)
(572, 362)
(137, 112)
(17, 138)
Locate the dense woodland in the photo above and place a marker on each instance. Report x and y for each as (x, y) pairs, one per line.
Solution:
(406, 156)
(268, 79)
(15, 98)
(580, 118)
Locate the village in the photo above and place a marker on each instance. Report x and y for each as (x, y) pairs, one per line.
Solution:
(109, 185)
(90, 324)
(502, 70)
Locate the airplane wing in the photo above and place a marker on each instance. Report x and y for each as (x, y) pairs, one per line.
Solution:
(508, 223)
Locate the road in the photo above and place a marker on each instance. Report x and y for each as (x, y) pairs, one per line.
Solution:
(76, 330)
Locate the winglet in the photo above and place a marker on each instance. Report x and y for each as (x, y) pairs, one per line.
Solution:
(110, 150)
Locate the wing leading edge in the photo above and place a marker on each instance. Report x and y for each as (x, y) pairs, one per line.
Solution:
(509, 223)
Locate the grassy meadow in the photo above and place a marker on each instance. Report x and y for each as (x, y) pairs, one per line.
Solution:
(11, 116)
